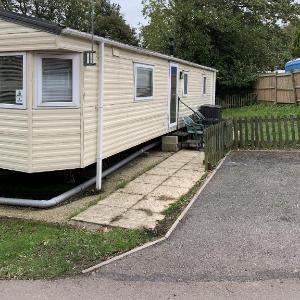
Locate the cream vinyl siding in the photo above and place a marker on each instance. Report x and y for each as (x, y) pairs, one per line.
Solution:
(90, 113)
(128, 123)
(14, 140)
(56, 139)
(14, 37)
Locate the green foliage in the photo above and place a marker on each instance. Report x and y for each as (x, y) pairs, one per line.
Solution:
(76, 14)
(239, 38)
(296, 41)
(38, 250)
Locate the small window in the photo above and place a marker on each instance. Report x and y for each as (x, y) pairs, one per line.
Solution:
(58, 80)
(12, 80)
(143, 82)
(185, 84)
(204, 85)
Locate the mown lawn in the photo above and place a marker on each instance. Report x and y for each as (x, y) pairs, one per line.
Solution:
(37, 250)
(260, 110)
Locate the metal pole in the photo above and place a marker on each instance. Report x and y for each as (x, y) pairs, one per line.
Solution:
(100, 117)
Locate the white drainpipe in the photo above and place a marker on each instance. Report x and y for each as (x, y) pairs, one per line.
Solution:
(100, 117)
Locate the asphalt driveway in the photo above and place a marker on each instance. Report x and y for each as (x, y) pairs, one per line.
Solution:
(240, 240)
(245, 226)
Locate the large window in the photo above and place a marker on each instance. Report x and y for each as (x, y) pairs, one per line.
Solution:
(58, 80)
(12, 80)
(143, 82)
(185, 84)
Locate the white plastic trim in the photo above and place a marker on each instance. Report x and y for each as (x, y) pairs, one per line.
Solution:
(145, 66)
(75, 81)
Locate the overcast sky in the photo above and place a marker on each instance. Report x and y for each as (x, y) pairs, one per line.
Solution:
(132, 11)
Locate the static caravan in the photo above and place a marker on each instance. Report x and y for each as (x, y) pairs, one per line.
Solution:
(64, 107)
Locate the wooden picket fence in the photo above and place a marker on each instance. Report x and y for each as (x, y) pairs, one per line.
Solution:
(218, 140)
(267, 132)
(236, 101)
(250, 133)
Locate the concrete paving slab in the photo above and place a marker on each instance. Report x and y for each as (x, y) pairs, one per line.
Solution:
(139, 188)
(162, 171)
(100, 214)
(180, 182)
(174, 164)
(122, 200)
(151, 179)
(153, 204)
(134, 219)
(190, 174)
(186, 154)
(167, 192)
(193, 166)
(142, 201)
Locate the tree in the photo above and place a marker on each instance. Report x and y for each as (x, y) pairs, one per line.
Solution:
(238, 37)
(76, 14)
(296, 41)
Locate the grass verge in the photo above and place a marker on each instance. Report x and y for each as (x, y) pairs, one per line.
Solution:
(38, 250)
(261, 110)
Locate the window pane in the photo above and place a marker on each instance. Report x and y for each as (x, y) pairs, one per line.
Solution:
(185, 84)
(11, 79)
(57, 80)
(144, 82)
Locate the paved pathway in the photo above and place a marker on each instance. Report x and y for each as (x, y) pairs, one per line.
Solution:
(240, 240)
(142, 202)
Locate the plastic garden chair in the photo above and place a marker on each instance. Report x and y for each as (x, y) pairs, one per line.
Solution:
(195, 130)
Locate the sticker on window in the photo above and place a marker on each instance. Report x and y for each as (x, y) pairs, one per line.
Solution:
(19, 96)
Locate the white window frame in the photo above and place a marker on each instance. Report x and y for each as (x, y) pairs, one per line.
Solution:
(75, 81)
(187, 88)
(204, 80)
(136, 66)
(24, 105)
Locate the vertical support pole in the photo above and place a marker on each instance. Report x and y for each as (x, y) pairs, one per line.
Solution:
(100, 117)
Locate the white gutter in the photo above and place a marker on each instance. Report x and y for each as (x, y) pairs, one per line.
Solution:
(100, 116)
(84, 35)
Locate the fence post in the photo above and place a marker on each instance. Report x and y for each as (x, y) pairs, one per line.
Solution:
(294, 87)
(276, 83)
